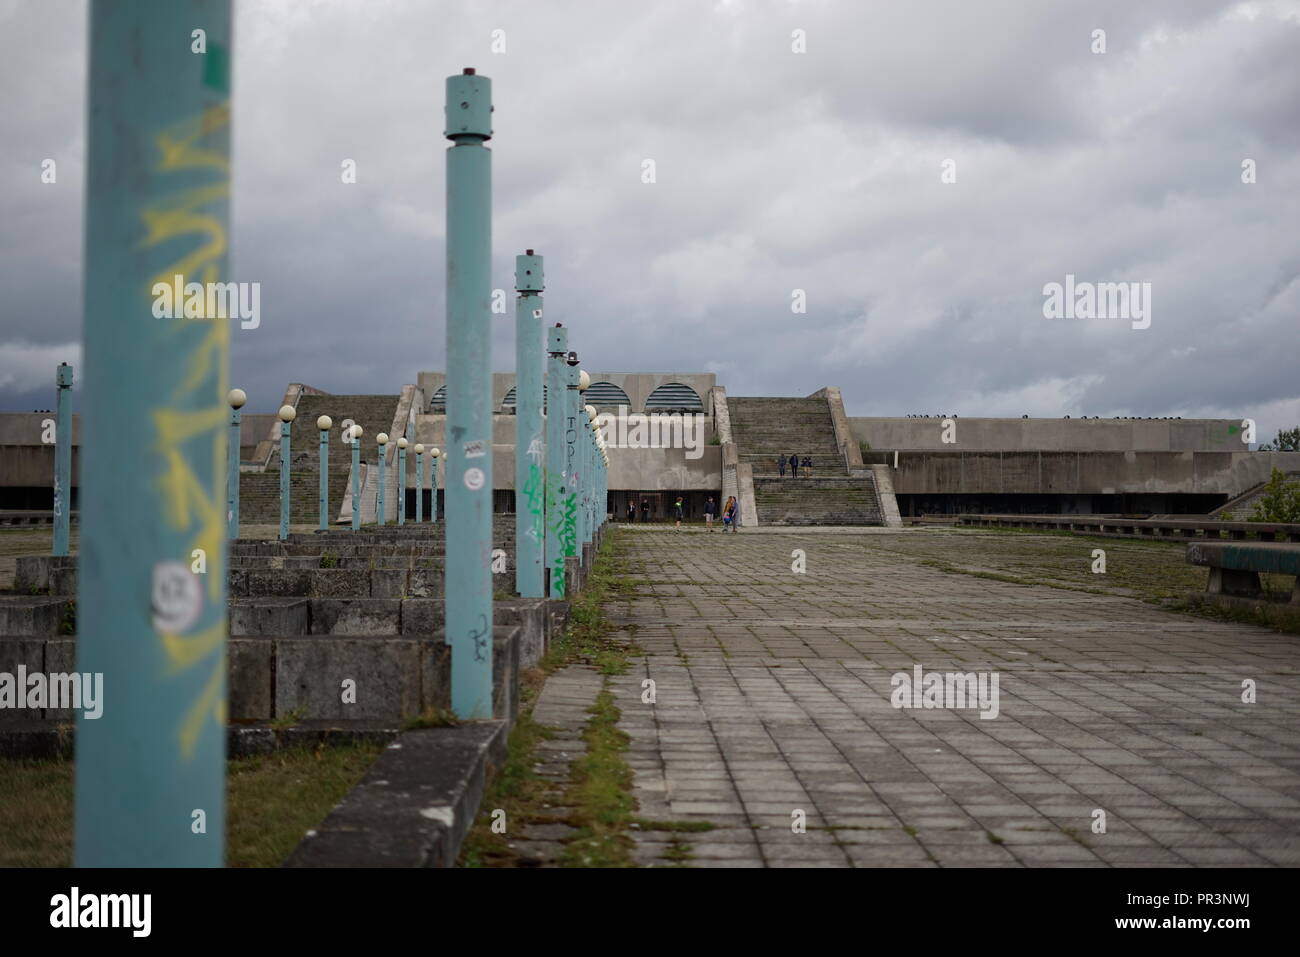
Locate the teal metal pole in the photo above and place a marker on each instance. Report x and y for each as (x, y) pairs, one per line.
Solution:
(468, 475)
(151, 602)
(579, 472)
(236, 398)
(557, 372)
(401, 481)
(572, 459)
(324, 424)
(284, 469)
(62, 458)
(589, 477)
(382, 439)
(419, 484)
(434, 455)
(356, 477)
(530, 493)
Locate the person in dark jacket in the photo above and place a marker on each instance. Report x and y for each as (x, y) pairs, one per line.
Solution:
(678, 507)
(631, 510)
(780, 465)
(645, 510)
(710, 510)
(794, 466)
(807, 467)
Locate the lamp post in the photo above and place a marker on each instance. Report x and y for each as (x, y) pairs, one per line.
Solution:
(150, 769)
(530, 494)
(62, 458)
(324, 424)
(356, 476)
(419, 483)
(401, 479)
(382, 439)
(557, 378)
(468, 476)
(589, 480)
(579, 460)
(434, 454)
(236, 398)
(287, 414)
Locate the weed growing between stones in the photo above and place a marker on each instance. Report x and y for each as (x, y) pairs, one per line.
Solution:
(432, 718)
(597, 799)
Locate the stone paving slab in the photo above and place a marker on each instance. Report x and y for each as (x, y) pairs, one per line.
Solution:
(773, 696)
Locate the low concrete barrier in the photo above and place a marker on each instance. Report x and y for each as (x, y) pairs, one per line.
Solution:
(1140, 528)
(1235, 568)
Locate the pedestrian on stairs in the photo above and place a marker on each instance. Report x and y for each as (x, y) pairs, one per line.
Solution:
(807, 466)
(780, 465)
(794, 465)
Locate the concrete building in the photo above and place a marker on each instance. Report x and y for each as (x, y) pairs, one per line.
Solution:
(679, 433)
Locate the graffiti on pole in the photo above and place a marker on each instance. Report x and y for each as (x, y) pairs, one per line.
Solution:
(190, 502)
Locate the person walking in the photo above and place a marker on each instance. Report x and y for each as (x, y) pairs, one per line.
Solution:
(631, 510)
(794, 465)
(677, 507)
(710, 509)
(730, 514)
(807, 467)
(780, 465)
(645, 510)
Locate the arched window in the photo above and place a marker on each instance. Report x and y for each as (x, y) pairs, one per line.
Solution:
(508, 403)
(674, 397)
(606, 394)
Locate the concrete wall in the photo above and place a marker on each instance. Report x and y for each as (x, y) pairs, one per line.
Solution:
(637, 385)
(639, 469)
(1074, 435)
(1103, 473)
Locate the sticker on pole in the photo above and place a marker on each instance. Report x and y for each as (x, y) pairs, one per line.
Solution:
(474, 479)
(177, 597)
(475, 449)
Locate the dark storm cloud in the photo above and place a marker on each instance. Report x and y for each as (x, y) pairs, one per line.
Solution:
(775, 171)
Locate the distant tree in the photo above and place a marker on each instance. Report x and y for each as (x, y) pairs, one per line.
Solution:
(1280, 501)
(1288, 440)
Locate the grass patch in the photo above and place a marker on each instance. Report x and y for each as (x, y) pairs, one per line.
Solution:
(271, 801)
(597, 798)
(432, 718)
(601, 793)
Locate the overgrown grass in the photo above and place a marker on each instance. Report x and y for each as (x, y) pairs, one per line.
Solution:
(597, 798)
(1156, 572)
(600, 793)
(271, 801)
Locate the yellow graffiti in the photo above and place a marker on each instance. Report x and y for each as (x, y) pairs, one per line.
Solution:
(189, 503)
(210, 701)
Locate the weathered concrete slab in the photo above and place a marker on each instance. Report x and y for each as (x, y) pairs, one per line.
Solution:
(315, 677)
(356, 616)
(774, 695)
(35, 615)
(269, 616)
(415, 805)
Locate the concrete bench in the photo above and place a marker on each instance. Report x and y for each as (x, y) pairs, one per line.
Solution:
(1235, 566)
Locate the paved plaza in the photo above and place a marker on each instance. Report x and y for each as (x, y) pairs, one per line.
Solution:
(772, 696)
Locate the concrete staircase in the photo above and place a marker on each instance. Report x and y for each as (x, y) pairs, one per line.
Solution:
(1241, 506)
(259, 492)
(765, 428)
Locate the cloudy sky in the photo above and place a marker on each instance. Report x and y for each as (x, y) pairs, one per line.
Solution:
(775, 171)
